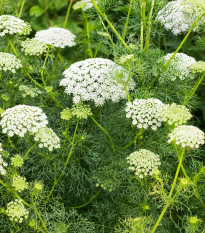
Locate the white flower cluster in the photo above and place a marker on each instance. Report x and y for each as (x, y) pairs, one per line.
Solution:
(47, 138)
(58, 37)
(16, 211)
(19, 183)
(187, 136)
(96, 79)
(198, 67)
(22, 119)
(177, 16)
(29, 91)
(33, 47)
(3, 164)
(9, 62)
(83, 4)
(143, 162)
(179, 67)
(81, 111)
(144, 113)
(12, 25)
(194, 6)
(175, 114)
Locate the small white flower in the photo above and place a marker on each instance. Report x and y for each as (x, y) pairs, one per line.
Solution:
(58, 37)
(9, 62)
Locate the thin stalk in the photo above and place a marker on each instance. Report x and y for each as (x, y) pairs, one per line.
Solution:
(177, 50)
(87, 33)
(7, 47)
(65, 165)
(22, 6)
(170, 194)
(67, 14)
(142, 36)
(134, 140)
(91, 199)
(143, 8)
(97, 49)
(10, 142)
(149, 28)
(12, 46)
(105, 131)
(47, 55)
(127, 20)
(111, 26)
(191, 93)
(29, 150)
(38, 84)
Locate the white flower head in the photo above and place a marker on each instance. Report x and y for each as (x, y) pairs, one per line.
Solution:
(179, 67)
(19, 183)
(21, 119)
(175, 114)
(47, 138)
(96, 79)
(58, 37)
(83, 4)
(16, 211)
(3, 164)
(12, 25)
(9, 62)
(33, 47)
(143, 162)
(187, 136)
(178, 16)
(144, 113)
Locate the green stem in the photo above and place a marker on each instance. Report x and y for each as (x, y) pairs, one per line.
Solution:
(67, 14)
(111, 26)
(39, 85)
(181, 44)
(149, 28)
(22, 6)
(47, 55)
(170, 198)
(7, 47)
(91, 199)
(87, 34)
(143, 7)
(10, 142)
(105, 131)
(12, 46)
(66, 163)
(191, 93)
(29, 150)
(134, 140)
(127, 20)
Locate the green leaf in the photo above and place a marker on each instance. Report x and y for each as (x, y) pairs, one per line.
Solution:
(36, 11)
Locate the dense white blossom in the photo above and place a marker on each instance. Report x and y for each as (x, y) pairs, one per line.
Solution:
(29, 91)
(16, 211)
(47, 138)
(33, 47)
(19, 183)
(96, 79)
(12, 25)
(178, 16)
(9, 62)
(3, 164)
(143, 162)
(58, 37)
(198, 67)
(175, 114)
(144, 113)
(187, 136)
(21, 119)
(83, 4)
(179, 67)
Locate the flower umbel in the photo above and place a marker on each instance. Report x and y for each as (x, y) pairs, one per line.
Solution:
(144, 113)
(9, 62)
(12, 25)
(198, 67)
(29, 91)
(33, 47)
(17, 161)
(81, 111)
(22, 119)
(19, 183)
(97, 80)
(3, 164)
(143, 162)
(179, 67)
(175, 114)
(58, 37)
(16, 211)
(187, 136)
